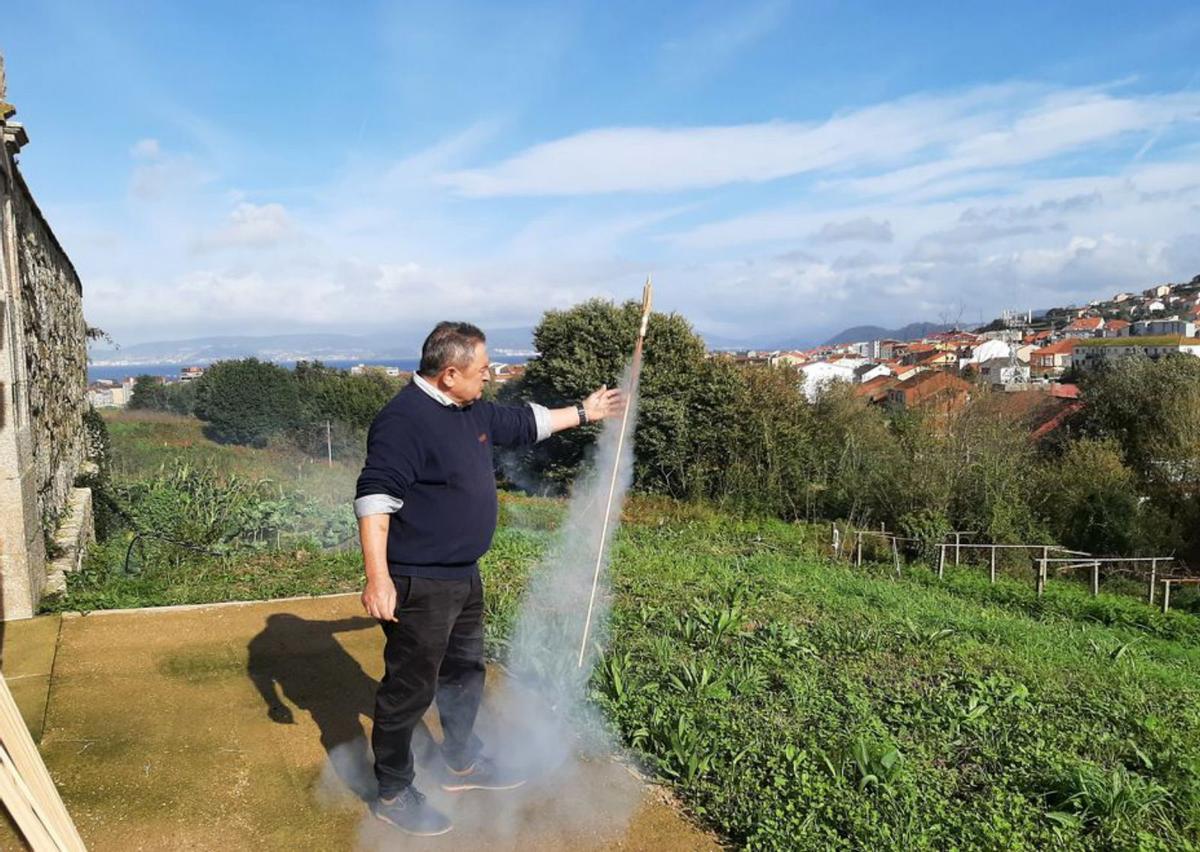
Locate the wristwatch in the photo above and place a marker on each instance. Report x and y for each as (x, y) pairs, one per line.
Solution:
(582, 412)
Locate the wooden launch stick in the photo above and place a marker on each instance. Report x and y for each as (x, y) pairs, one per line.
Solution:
(634, 373)
(26, 789)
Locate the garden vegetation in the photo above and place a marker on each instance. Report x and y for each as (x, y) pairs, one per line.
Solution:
(792, 701)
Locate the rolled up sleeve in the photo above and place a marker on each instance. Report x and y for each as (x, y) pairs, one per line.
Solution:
(376, 504)
(541, 416)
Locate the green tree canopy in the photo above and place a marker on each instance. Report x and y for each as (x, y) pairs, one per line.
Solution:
(149, 393)
(246, 401)
(590, 345)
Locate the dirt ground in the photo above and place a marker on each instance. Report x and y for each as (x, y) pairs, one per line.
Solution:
(156, 729)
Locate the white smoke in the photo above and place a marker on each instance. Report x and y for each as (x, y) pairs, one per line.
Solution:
(554, 611)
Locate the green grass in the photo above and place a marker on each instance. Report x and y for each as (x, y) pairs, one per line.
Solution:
(798, 703)
(1148, 340)
(142, 441)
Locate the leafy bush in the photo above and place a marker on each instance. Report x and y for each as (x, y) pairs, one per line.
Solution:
(247, 401)
(929, 528)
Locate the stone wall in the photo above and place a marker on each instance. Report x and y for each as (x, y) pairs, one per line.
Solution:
(43, 380)
(55, 356)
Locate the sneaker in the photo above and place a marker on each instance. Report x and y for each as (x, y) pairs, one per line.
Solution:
(409, 813)
(483, 774)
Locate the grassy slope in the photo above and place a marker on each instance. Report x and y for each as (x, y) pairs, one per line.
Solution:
(1000, 707)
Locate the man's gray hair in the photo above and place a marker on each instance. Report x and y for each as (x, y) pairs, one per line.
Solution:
(450, 344)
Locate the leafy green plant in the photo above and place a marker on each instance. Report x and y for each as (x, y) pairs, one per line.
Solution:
(865, 763)
(1108, 803)
(700, 680)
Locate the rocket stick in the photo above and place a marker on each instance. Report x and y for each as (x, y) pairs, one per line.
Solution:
(634, 374)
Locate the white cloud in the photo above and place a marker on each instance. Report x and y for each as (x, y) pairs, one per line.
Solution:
(710, 45)
(927, 138)
(159, 175)
(864, 229)
(251, 226)
(145, 149)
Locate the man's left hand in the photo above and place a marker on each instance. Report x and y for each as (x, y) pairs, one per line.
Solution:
(604, 403)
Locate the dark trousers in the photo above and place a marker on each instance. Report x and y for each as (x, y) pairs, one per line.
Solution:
(434, 649)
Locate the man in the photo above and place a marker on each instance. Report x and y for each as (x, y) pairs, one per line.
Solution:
(426, 507)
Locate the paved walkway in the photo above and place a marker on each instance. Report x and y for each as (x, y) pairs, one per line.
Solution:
(158, 732)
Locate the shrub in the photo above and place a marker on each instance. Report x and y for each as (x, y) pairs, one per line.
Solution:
(247, 401)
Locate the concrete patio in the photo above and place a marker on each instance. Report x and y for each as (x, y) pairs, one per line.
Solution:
(242, 726)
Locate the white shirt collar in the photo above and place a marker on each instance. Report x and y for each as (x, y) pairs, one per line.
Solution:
(433, 391)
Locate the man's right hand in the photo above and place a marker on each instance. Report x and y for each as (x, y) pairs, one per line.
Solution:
(379, 598)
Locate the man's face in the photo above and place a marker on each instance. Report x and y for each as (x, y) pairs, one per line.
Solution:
(465, 385)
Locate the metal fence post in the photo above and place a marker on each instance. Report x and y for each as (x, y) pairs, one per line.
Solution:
(1153, 578)
(1166, 596)
(942, 560)
(1041, 577)
(992, 571)
(1095, 579)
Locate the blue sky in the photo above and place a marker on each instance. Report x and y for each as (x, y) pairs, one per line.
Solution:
(783, 169)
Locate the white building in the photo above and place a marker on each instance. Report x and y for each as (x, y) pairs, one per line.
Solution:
(1171, 325)
(989, 350)
(1089, 353)
(1003, 371)
(360, 369)
(865, 372)
(820, 373)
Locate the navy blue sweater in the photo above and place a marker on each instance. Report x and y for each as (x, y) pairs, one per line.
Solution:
(438, 460)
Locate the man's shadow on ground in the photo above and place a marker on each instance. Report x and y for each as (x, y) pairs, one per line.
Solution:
(303, 660)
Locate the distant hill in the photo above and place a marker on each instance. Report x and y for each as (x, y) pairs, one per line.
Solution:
(293, 347)
(912, 331)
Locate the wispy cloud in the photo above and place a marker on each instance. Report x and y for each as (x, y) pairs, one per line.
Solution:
(710, 45)
(251, 226)
(158, 175)
(925, 138)
(864, 229)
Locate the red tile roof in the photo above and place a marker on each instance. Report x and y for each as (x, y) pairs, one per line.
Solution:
(1061, 347)
(876, 389)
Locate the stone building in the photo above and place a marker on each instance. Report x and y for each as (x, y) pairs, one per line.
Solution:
(44, 519)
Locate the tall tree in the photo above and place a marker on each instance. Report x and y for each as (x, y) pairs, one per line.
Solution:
(247, 401)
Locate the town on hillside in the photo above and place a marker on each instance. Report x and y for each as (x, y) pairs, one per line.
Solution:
(1018, 353)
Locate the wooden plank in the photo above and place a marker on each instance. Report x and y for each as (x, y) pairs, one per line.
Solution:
(20, 808)
(29, 781)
